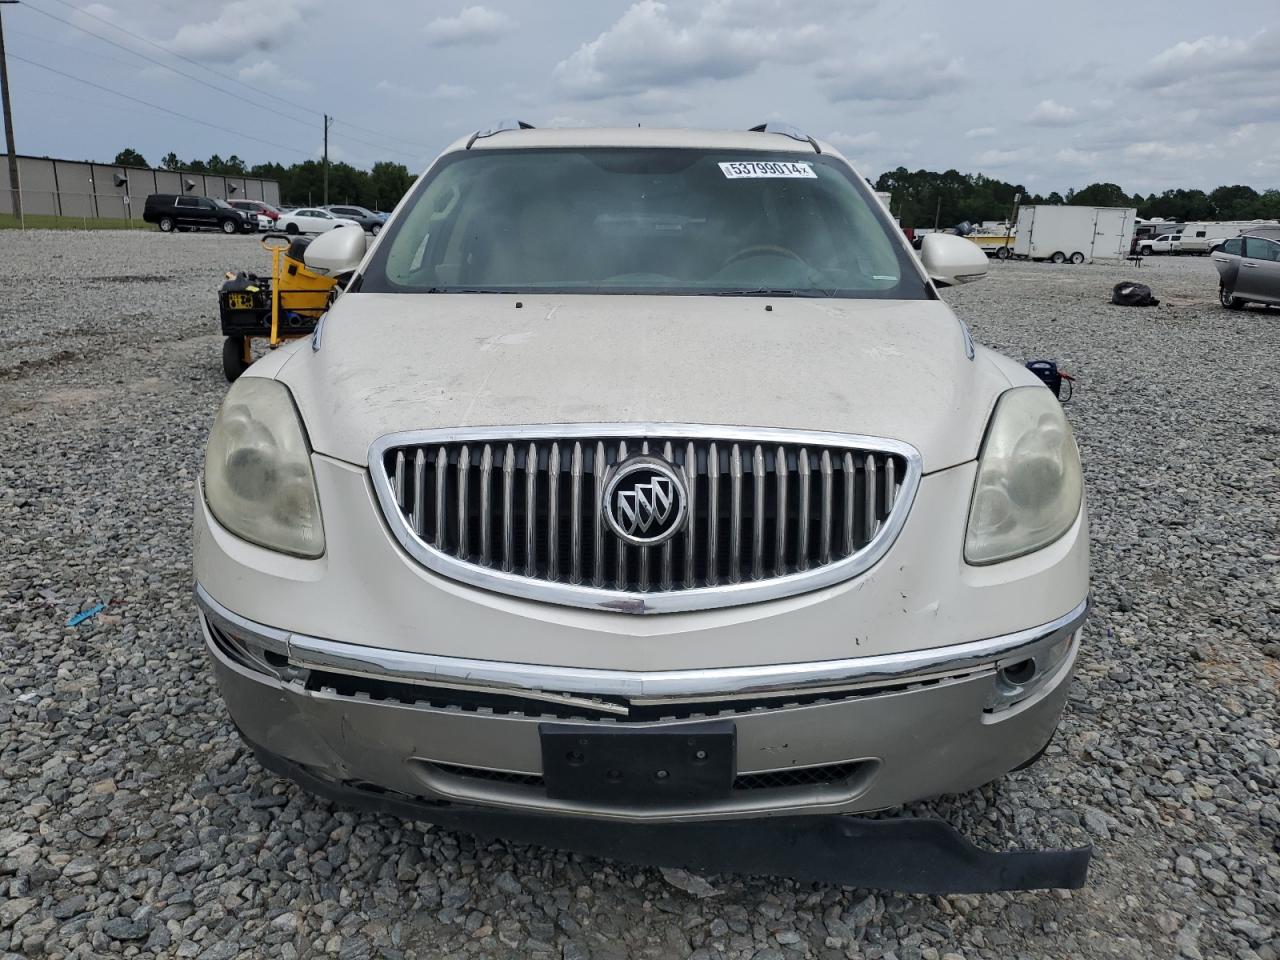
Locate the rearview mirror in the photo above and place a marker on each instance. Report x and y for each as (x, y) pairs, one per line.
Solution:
(949, 259)
(335, 252)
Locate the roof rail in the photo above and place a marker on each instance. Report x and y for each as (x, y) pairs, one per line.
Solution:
(500, 127)
(787, 130)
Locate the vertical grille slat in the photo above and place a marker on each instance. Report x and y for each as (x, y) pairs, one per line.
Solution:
(486, 514)
(598, 469)
(508, 508)
(620, 580)
(802, 530)
(869, 508)
(398, 479)
(848, 475)
(575, 521)
(643, 552)
(553, 513)
(418, 519)
(757, 525)
(668, 548)
(780, 468)
(442, 474)
(735, 514)
(531, 511)
(691, 525)
(464, 518)
(533, 507)
(713, 515)
(824, 537)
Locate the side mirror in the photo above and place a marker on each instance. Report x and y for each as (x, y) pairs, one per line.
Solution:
(335, 252)
(949, 259)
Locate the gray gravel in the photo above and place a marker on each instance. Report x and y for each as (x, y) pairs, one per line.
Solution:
(132, 822)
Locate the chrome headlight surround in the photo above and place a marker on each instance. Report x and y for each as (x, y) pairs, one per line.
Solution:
(258, 480)
(1029, 485)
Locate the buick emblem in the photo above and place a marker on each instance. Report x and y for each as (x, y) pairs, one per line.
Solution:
(644, 501)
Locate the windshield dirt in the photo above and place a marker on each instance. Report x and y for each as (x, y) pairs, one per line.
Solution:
(643, 221)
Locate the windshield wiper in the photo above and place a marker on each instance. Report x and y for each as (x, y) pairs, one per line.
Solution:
(465, 290)
(775, 292)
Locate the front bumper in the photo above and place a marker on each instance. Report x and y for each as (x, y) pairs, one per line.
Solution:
(835, 736)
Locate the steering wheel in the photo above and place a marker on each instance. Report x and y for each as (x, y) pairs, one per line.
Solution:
(759, 248)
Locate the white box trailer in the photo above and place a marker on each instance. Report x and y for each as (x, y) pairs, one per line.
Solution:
(1076, 234)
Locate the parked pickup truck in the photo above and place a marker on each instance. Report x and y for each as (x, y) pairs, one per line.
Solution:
(1165, 243)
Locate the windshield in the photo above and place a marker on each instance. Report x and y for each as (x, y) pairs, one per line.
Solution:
(222, 203)
(653, 221)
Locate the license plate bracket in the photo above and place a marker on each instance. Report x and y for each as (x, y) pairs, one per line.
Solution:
(675, 764)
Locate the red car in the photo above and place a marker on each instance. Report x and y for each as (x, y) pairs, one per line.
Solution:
(257, 206)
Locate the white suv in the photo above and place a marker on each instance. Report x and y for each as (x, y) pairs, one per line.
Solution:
(642, 475)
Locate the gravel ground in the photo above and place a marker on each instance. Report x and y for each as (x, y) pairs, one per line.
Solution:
(133, 823)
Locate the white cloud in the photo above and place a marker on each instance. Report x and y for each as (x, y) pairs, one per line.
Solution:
(855, 141)
(238, 28)
(399, 90)
(268, 73)
(1159, 150)
(450, 91)
(1050, 113)
(654, 45)
(1243, 134)
(1235, 80)
(1077, 159)
(894, 76)
(1196, 59)
(979, 133)
(1003, 158)
(472, 26)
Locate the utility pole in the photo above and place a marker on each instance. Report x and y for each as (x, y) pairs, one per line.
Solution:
(14, 188)
(328, 122)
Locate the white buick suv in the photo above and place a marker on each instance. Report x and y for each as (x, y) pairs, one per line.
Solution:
(642, 475)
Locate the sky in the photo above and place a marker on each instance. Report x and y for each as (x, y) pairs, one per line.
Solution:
(1052, 96)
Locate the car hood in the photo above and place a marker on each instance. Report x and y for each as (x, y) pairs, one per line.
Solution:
(884, 368)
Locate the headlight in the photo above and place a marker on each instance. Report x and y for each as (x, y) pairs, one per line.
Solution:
(257, 470)
(1029, 486)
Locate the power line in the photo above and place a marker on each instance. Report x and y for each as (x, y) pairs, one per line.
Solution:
(143, 56)
(156, 106)
(204, 82)
(68, 46)
(227, 76)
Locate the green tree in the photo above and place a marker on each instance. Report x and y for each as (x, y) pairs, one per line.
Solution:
(171, 161)
(388, 182)
(129, 157)
(1185, 205)
(923, 197)
(1101, 195)
(1235, 203)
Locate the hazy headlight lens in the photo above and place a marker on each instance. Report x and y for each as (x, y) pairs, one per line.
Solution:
(1028, 489)
(257, 470)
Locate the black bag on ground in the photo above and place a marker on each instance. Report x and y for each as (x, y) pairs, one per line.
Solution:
(1128, 293)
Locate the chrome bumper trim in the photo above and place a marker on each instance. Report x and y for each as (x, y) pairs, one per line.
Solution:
(314, 653)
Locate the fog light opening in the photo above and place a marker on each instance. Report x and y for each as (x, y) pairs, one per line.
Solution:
(1019, 674)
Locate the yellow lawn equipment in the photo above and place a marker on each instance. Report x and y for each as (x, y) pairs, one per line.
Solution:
(283, 306)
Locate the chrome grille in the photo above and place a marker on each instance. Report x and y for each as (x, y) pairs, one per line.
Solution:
(519, 509)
